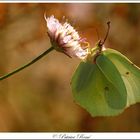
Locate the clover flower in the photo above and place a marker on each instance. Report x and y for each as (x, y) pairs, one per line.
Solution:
(65, 38)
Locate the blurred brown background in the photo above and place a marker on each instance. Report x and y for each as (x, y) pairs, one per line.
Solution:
(39, 98)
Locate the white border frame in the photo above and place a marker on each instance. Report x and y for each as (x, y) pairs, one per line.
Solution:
(93, 136)
(55, 135)
(69, 1)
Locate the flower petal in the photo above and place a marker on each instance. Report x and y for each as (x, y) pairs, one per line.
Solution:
(66, 38)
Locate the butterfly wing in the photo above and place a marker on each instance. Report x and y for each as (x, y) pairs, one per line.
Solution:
(94, 91)
(129, 73)
(116, 95)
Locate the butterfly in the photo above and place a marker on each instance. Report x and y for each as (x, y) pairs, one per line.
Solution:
(108, 86)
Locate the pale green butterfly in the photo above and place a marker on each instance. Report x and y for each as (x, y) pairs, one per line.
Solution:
(108, 86)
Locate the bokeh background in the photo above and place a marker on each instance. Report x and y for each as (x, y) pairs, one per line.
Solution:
(39, 98)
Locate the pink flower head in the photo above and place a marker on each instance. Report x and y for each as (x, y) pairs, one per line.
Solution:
(66, 39)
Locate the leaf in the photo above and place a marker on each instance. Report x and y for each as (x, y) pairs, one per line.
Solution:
(99, 88)
(130, 74)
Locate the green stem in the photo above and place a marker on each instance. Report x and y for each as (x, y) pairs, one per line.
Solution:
(26, 65)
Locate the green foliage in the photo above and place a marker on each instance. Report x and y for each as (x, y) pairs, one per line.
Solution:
(107, 87)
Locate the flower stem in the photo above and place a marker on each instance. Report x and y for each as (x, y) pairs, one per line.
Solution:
(26, 65)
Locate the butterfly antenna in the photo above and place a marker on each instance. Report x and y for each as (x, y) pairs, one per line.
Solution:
(101, 43)
(108, 29)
